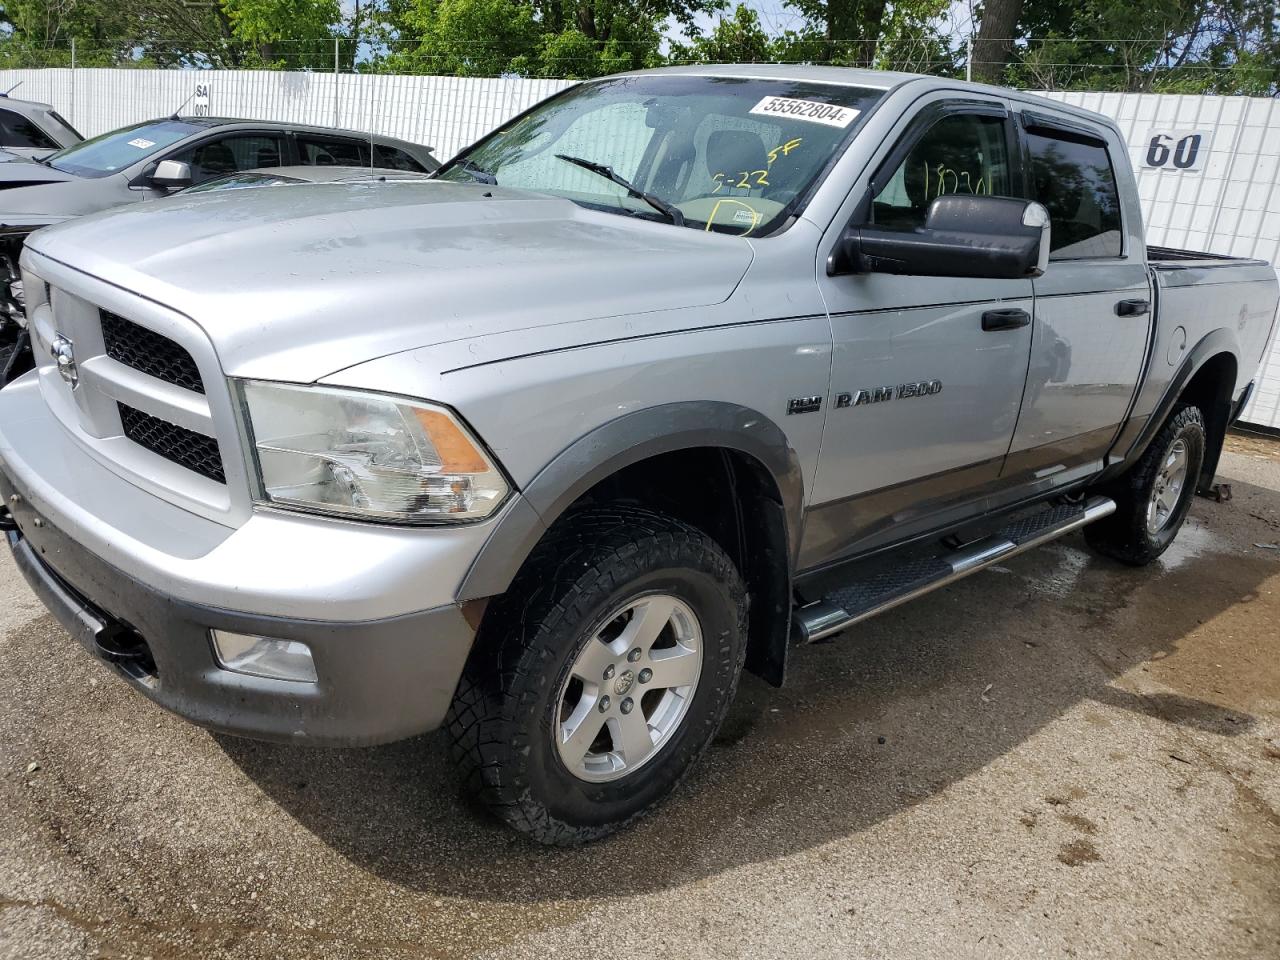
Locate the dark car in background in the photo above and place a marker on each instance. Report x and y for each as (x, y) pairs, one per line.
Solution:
(30, 128)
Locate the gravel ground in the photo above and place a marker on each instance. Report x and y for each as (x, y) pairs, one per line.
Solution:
(1059, 757)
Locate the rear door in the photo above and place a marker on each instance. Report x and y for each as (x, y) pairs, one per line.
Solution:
(1092, 306)
(925, 394)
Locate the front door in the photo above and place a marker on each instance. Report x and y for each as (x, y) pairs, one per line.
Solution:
(924, 394)
(1093, 314)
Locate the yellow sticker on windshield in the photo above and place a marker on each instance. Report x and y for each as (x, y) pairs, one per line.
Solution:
(811, 111)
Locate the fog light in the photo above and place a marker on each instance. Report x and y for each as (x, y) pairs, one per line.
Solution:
(263, 656)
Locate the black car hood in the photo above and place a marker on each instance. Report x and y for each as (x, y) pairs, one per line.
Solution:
(16, 171)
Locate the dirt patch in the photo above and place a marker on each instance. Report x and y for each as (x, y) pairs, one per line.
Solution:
(1079, 852)
(1253, 445)
(1082, 824)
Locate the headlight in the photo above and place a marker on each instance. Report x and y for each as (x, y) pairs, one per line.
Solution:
(350, 452)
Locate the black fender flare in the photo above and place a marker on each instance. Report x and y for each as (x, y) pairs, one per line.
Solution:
(1212, 344)
(617, 444)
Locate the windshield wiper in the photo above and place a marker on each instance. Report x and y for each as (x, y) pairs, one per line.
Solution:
(476, 172)
(606, 171)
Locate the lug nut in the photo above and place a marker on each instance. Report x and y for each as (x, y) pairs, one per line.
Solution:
(604, 704)
(608, 672)
(626, 705)
(645, 675)
(634, 655)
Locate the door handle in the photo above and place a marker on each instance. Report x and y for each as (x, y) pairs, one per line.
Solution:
(1005, 319)
(1132, 308)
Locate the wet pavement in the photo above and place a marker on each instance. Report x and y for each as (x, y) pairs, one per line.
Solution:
(1058, 757)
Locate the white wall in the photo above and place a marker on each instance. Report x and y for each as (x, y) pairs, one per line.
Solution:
(447, 113)
(1230, 205)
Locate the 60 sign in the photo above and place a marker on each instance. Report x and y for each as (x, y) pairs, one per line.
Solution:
(1180, 150)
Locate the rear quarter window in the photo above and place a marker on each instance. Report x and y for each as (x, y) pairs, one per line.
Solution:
(389, 158)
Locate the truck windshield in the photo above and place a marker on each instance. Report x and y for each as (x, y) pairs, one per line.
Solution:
(731, 154)
(112, 152)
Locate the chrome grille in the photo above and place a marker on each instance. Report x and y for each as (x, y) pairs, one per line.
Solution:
(184, 447)
(149, 352)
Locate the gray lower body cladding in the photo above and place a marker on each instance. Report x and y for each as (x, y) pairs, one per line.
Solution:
(378, 680)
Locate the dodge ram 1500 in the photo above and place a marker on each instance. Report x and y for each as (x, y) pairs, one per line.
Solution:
(669, 373)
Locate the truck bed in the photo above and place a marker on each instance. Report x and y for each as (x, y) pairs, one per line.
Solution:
(1171, 258)
(1207, 302)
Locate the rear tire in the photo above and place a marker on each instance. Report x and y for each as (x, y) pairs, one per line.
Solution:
(563, 724)
(1154, 496)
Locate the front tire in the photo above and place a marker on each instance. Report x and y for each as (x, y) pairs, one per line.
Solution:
(601, 675)
(1154, 496)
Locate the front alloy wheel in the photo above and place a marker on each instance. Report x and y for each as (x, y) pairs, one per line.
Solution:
(601, 675)
(629, 689)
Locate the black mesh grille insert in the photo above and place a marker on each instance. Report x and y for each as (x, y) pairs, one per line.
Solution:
(184, 447)
(148, 351)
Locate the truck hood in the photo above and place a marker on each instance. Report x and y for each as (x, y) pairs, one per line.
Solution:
(296, 282)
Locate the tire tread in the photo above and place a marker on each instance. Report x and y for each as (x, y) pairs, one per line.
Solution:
(516, 650)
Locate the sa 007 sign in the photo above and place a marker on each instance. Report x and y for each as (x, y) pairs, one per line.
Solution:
(1177, 149)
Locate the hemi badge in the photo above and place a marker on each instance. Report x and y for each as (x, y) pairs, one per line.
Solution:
(804, 405)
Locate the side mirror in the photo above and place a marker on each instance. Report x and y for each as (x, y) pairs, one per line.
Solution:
(998, 238)
(171, 175)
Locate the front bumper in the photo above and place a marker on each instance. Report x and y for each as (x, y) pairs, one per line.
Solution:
(379, 680)
(119, 566)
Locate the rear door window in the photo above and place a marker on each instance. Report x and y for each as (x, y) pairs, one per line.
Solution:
(17, 131)
(332, 151)
(1072, 176)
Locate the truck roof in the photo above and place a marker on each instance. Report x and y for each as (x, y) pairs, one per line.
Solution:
(873, 79)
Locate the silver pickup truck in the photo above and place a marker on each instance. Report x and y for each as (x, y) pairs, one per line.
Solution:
(671, 372)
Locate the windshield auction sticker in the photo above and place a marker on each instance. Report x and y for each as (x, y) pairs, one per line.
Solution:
(142, 143)
(812, 111)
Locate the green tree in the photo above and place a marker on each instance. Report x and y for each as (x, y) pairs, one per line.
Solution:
(555, 38)
(285, 33)
(165, 33)
(738, 38)
(466, 38)
(1188, 46)
(898, 35)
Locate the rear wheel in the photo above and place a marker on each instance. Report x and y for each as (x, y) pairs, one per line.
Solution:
(1154, 496)
(601, 675)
